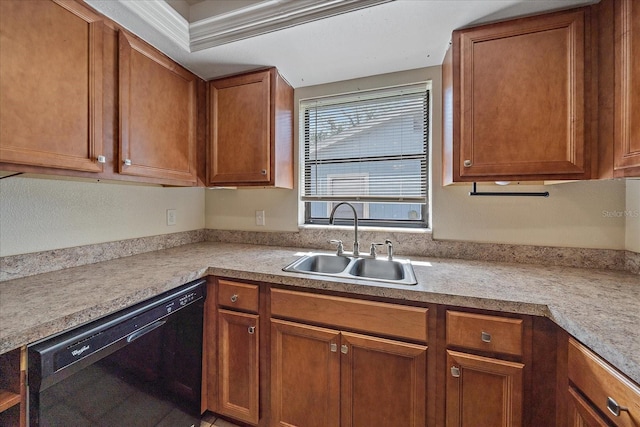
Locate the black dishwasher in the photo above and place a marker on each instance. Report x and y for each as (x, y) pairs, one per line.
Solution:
(138, 367)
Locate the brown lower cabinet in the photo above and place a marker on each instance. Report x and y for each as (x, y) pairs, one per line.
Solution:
(325, 377)
(581, 413)
(483, 391)
(238, 349)
(13, 372)
(232, 350)
(597, 394)
(281, 357)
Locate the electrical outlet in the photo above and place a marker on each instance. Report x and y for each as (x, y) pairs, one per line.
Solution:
(171, 217)
(260, 218)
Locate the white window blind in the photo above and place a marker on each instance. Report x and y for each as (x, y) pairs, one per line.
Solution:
(374, 141)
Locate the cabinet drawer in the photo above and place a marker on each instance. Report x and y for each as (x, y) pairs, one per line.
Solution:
(239, 296)
(367, 316)
(486, 333)
(603, 385)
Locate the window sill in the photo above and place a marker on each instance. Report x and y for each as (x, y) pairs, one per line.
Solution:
(311, 227)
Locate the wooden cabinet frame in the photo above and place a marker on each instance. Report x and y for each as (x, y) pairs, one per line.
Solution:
(480, 143)
(55, 148)
(182, 171)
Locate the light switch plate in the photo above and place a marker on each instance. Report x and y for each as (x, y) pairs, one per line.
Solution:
(260, 218)
(171, 217)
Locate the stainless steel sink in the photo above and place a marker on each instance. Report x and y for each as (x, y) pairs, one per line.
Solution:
(378, 269)
(398, 271)
(321, 263)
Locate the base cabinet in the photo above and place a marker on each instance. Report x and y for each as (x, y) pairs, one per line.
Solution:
(383, 382)
(305, 375)
(598, 394)
(238, 349)
(325, 377)
(232, 355)
(581, 413)
(483, 391)
(13, 371)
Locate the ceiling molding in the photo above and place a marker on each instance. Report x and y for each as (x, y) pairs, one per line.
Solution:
(163, 18)
(265, 17)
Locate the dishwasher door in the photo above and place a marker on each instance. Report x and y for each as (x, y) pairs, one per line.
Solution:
(138, 367)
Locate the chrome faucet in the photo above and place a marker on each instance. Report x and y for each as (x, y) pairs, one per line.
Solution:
(356, 244)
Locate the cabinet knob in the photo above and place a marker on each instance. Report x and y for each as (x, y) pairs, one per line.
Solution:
(455, 372)
(614, 408)
(334, 347)
(485, 336)
(252, 329)
(467, 163)
(234, 297)
(263, 171)
(127, 162)
(102, 159)
(344, 349)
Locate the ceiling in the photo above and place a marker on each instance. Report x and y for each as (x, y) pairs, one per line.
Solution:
(391, 35)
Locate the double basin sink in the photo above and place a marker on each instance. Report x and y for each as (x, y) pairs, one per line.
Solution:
(398, 271)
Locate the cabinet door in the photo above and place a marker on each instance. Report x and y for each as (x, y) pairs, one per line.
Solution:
(158, 101)
(383, 382)
(627, 87)
(522, 107)
(581, 414)
(240, 126)
(51, 85)
(238, 369)
(482, 391)
(305, 375)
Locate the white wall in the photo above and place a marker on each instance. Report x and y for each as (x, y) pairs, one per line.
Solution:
(571, 216)
(43, 214)
(632, 215)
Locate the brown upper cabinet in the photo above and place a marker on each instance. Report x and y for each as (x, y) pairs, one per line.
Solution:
(251, 131)
(627, 89)
(158, 115)
(517, 100)
(51, 81)
(619, 88)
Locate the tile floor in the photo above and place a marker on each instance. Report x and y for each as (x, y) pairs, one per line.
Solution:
(210, 420)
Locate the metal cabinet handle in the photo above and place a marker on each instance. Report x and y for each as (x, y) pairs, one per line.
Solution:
(334, 347)
(614, 408)
(127, 162)
(252, 329)
(455, 372)
(344, 349)
(234, 297)
(485, 336)
(467, 163)
(102, 159)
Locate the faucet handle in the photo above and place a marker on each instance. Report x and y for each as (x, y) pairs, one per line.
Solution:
(389, 249)
(372, 249)
(340, 250)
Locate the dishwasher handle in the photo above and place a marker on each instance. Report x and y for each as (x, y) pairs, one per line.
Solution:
(144, 331)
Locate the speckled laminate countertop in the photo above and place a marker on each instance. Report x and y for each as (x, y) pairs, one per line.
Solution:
(599, 307)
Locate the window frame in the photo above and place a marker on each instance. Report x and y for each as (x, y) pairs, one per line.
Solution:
(424, 222)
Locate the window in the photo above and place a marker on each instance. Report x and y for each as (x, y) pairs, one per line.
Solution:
(369, 149)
